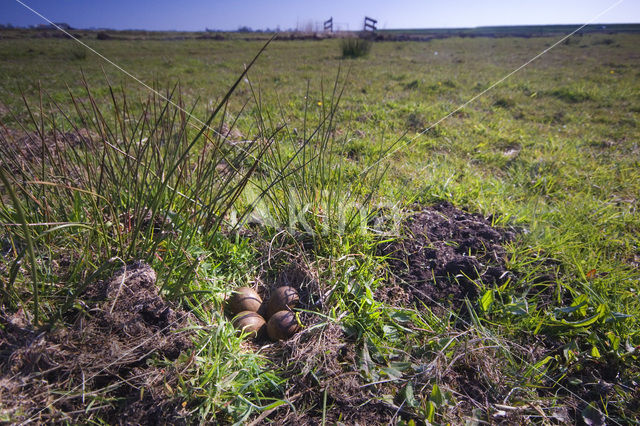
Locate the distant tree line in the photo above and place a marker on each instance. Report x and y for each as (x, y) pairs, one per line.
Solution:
(245, 29)
(62, 25)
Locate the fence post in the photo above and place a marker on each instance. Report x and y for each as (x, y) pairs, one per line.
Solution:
(328, 24)
(369, 24)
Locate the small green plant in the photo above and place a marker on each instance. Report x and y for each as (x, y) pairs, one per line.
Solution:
(355, 47)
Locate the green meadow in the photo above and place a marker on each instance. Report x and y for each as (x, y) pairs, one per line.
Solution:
(294, 165)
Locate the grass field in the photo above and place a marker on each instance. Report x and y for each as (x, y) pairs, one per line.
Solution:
(328, 162)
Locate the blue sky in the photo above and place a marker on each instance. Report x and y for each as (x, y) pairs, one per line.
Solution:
(261, 14)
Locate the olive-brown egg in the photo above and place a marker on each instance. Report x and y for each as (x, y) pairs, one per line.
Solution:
(244, 299)
(282, 325)
(249, 322)
(282, 299)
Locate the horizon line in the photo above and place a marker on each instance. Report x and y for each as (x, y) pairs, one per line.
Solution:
(47, 26)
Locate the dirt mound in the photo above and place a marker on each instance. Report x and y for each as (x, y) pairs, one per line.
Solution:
(100, 367)
(441, 252)
(20, 149)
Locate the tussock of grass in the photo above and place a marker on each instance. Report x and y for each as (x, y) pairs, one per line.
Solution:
(355, 47)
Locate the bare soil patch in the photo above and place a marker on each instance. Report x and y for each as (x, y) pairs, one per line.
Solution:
(99, 367)
(441, 252)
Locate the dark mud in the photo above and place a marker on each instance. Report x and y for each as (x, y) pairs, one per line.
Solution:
(441, 252)
(99, 368)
